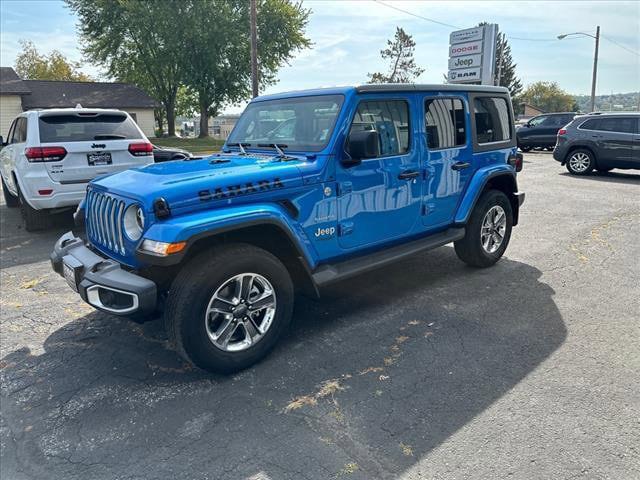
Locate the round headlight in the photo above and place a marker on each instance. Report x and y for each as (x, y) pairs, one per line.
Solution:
(133, 222)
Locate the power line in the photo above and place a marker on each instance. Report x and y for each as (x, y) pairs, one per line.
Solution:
(620, 45)
(507, 35)
(416, 15)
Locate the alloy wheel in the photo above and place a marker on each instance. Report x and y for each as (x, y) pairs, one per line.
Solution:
(494, 226)
(240, 312)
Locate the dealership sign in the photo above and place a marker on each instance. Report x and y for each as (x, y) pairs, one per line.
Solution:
(466, 61)
(472, 55)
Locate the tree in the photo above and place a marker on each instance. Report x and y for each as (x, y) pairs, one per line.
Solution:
(399, 52)
(218, 67)
(505, 68)
(32, 65)
(137, 41)
(547, 96)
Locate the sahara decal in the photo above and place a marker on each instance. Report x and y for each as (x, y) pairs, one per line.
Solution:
(241, 189)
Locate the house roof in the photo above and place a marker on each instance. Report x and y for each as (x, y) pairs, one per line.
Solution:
(57, 94)
(11, 83)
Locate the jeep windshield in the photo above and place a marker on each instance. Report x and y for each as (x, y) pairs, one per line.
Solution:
(292, 124)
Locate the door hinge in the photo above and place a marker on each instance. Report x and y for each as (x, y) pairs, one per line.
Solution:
(345, 228)
(344, 188)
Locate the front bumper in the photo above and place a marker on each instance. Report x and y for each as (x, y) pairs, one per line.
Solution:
(102, 282)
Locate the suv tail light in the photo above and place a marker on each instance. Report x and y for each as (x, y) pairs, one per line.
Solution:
(45, 154)
(562, 131)
(140, 149)
(516, 161)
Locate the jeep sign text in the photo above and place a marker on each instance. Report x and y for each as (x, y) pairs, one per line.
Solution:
(467, 61)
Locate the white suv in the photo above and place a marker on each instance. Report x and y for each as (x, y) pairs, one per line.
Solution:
(50, 156)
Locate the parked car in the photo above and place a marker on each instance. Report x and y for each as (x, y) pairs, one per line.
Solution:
(368, 175)
(541, 131)
(601, 142)
(51, 155)
(165, 154)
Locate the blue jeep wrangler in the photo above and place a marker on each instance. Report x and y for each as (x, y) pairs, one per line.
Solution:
(310, 188)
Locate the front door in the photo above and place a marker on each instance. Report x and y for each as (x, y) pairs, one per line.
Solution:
(379, 199)
(616, 139)
(449, 160)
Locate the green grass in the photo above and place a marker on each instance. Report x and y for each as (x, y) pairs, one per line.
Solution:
(191, 144)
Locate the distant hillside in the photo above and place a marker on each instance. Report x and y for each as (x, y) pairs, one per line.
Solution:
(614, 102)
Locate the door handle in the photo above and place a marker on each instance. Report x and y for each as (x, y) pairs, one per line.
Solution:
(408, 175)
(460, 165)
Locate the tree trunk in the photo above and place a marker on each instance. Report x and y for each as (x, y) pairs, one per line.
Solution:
(204, 122)
(159, 114)
(171, 117)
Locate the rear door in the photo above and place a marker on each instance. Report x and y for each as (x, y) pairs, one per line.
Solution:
(615, 138)
(449, 160)
(16, 139)
(97, 143)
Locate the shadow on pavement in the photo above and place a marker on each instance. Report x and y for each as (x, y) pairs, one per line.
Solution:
(19, 247)
(609, 177)
(383, 369)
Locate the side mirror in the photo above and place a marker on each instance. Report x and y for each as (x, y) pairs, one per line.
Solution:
(361, 145)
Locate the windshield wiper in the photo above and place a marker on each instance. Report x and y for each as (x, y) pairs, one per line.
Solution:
(240, 145)
(109, 136)
(277, 146)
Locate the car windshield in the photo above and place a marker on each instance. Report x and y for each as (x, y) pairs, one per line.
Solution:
(86, 127)
(301, 123)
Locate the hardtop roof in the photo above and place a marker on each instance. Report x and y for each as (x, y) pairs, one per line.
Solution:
(384, 88)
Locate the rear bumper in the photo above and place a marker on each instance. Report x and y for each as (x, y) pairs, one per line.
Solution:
(102, 282)
(62, 195)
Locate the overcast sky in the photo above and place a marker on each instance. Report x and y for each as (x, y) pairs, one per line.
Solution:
(347, 37)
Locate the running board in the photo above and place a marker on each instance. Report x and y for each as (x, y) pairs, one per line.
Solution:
(330, 273)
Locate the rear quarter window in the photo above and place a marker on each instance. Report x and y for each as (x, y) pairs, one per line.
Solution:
(87, 127)
(492, 120)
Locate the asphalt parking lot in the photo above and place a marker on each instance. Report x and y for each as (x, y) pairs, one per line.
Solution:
(424, 369)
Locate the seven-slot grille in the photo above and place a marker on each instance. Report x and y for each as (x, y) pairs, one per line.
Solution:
(103, 219)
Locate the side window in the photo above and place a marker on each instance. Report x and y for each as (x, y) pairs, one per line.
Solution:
(445, 123)
(390, 118)
(619, 125)
(492, 119)
(10, 133)
(19, 131)
(537, 121)
(22, 130)
(591, 125)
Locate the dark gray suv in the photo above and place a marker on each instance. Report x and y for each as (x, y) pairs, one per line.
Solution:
(601, 142)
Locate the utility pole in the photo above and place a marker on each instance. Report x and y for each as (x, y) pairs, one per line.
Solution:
(595, 61)
(595, 70)
(254, 48)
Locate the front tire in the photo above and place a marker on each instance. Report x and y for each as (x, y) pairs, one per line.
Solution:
(34, 220)
(10, 200)
(487, 232)
(227, 308)
(580, 162)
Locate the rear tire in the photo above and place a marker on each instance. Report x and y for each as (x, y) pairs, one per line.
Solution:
(487, 232)
(205, 296)
(34, 220)
(10, 200)
(580, 162)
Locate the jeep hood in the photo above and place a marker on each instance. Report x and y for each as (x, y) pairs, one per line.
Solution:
(187, 183)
